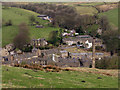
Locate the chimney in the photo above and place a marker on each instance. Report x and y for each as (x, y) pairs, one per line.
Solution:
(93, 53)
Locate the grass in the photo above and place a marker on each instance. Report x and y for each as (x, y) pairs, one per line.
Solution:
(112, 16)
(18, 16)
(91, 3)
(17, 77)
(83, 10)
(8, 33)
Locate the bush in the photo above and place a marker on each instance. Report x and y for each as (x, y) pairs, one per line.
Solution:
(42, 48)
(107, 63)
(9, 23)
(23, 63)
(27, 49)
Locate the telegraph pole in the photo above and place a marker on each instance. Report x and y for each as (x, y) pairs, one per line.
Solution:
(93, 53)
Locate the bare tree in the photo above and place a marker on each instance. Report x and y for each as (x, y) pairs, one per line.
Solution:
(104, 23)
(23, 36)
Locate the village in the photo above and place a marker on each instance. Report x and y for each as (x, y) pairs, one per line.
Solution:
(59, 45)
(74, 52)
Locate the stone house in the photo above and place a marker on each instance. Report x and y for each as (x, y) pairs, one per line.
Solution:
(63, 53)
(4, 52)
(98, 42)
(70, 33)
(86, 42)
(39, 42)
(82, 40)
(10, 47)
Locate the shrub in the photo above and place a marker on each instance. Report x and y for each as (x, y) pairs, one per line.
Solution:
(107, 63)
(23, 63)
(27, 49)
(9, 23)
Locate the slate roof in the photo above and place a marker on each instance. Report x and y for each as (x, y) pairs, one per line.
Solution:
(41, 15)
(77, 39)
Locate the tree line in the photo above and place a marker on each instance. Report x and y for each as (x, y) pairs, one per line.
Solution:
(63, 16)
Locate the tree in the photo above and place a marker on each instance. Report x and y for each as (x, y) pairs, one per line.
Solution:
(111, 39)
(104, 23)
(53, 37)
(22, 37)
(60, 36)
(9, 23)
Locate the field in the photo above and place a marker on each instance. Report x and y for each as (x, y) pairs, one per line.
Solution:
(82, 7)
(92, 3)
(86, 10)
(112, 16)
(18, 16)
(15, 77)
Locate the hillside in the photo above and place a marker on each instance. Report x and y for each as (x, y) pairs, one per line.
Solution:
(15, 77)
(112, 16)
(83, 10)
(17, 16)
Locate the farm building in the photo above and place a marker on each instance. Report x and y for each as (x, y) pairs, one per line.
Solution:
(45, 17)
(70, 33)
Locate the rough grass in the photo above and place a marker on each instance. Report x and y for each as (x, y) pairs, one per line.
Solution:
(112, 16)
(83, 10)
(16, 77)
(14, 14)
(91, 3)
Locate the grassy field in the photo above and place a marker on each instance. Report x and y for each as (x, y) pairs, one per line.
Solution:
(15, 77)
(18, 16)
(82, 8)
(112, 16)
(91, 3)
(86, 10)
(8, 33)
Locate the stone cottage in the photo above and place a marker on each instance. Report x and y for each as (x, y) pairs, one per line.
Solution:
(39, 42)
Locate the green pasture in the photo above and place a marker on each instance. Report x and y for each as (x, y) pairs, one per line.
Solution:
(15, 77)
